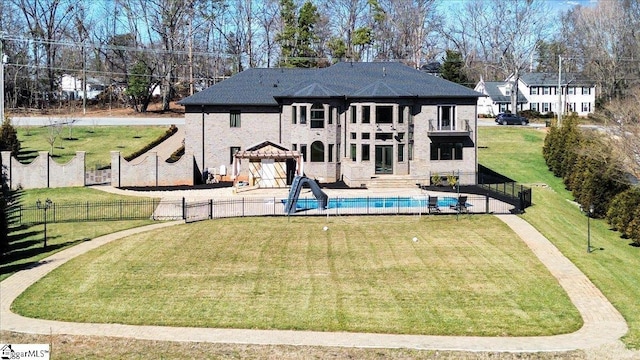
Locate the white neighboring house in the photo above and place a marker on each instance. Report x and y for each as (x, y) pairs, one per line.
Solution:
(498, 97)
(541, 91)
(72, 88)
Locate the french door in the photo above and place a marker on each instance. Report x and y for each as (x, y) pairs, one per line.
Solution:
(384, 159)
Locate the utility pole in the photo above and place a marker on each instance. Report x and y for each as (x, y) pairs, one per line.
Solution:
(3, 59)
(191, 49)
(84, 79)
(559, 90)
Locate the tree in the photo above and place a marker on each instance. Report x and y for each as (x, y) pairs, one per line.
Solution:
(405, 30)
(298, 34)
(337, 48)
(625, 125)
(604, 43)
(48, 23)
(622, 210)
(548, 55)
(348, 22)
(9, 138)
(500, 46)
(453, 68)
(53, 132)
(139, 86)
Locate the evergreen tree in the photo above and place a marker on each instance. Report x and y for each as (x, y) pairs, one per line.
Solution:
(453, 68)
(9, 138)
(622, 209)
(298, 34)
(138, 86)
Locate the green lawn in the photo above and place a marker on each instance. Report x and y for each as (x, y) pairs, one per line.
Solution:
(518, 154)
(70, 195)
(27, 241)
(364, 274)
(443, 276)
(97, 141)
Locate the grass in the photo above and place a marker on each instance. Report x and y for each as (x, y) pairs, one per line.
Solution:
(126, 139)
(71, 195)
(514, 152)
(99, 348)
(364, 274)
(27, 241)
(614, 270)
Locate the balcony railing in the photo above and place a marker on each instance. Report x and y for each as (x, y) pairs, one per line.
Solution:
(436, 129)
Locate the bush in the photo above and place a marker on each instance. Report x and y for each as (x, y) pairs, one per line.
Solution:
(622, 210)
(9, 137)
(633, 229)
(530, 114)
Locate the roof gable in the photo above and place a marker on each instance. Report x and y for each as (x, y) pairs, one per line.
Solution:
(492, 89)
(267, 146)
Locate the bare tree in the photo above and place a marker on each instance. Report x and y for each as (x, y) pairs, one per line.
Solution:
(504, 46)
(53, 132)
(48, 23)
(268, 23)
(626, 129)
(605, 42)
(405, 29)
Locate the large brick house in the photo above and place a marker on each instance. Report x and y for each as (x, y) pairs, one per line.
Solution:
(363, 123)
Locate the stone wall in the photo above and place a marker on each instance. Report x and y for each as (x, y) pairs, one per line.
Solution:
(44, 172)
(150, 170)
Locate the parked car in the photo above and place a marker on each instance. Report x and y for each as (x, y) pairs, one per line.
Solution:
(511, 119)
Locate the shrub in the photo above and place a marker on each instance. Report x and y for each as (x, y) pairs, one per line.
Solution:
(530, 114)
(436, 180)
(633, 229)
(622, 209)
(9, 137)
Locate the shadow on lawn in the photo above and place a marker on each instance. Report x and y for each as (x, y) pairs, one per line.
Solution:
(11, 262)
(24, 244)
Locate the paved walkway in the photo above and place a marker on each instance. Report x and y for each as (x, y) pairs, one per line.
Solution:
(603, 324)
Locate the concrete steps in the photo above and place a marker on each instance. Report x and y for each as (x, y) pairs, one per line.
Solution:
(394, 181)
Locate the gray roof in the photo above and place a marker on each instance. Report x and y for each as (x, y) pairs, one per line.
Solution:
(491, 87)
(350, 80)
(551, 79)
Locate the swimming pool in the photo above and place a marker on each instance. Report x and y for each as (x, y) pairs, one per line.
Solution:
(373, 202)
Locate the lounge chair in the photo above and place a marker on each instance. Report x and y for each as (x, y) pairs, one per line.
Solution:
(461, 205)
(433, 204)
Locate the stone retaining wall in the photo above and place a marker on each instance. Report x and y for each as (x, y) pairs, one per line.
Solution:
(151, 171)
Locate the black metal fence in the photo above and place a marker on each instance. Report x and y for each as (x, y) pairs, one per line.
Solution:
(504, 188)
(519, 195)
(86, 211)
(192, 211)
(413, 205)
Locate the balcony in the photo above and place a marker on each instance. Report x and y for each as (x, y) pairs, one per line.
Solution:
(463, 129)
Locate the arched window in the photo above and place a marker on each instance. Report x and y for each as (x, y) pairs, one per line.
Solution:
(317, 116)
(317, 151)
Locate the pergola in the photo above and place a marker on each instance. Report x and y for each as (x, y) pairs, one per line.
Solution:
(268, 173)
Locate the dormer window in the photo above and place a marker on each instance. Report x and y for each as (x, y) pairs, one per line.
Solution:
(507, 90)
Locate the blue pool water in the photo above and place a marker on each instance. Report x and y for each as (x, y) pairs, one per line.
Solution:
(372, 202)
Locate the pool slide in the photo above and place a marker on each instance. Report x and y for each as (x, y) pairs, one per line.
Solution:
(294, 193)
